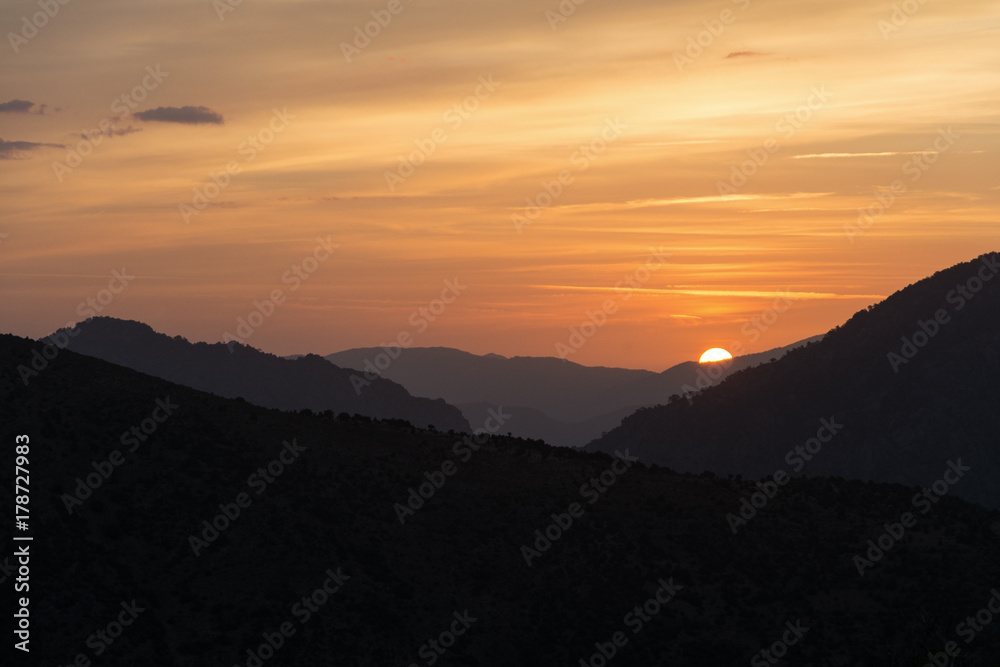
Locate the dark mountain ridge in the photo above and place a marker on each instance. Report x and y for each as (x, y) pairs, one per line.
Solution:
(234, 370)
(221, 562)
(912, 379)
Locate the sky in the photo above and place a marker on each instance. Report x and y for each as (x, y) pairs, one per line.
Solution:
(619, 183)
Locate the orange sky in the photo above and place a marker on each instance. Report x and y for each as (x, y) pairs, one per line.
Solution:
(620, 101)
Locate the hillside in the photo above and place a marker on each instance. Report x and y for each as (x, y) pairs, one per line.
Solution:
(240, 371)
(913, 381)
(328, 516)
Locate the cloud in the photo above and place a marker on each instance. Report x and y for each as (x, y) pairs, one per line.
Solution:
(185, 115)
(824, 156)
(21, 106)
(111, 132)
(647, 203)
(747, 54)
(718, 292)
(13, 150)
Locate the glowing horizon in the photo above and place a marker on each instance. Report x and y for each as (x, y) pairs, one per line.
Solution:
(560, 172)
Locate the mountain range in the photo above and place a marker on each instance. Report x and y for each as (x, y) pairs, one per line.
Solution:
(547, 398)
(238, 371)
(174, 527)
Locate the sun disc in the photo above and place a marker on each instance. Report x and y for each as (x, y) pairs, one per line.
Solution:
(715, 354)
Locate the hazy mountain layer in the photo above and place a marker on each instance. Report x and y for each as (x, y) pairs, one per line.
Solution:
(553, 399)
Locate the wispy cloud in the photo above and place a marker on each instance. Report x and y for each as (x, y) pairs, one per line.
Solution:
(186, 115)
(14, 150)
(16, 106)
(824, 156)
(674, 201)
(757, 294)
(111, 132)
(747, 54)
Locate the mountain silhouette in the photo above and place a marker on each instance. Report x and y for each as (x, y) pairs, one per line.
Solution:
(219, 528)
(239, 371)
(551, 399)
(913, 381)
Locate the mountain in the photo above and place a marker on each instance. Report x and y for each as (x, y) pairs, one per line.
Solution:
(175, 527)
(536, 425)
(552, 399)
(912, 380)
(263, 379)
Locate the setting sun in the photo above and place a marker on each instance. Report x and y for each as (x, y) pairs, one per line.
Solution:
(715, 354)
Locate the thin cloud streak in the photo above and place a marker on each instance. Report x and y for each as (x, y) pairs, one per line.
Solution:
(713, 199)
(812, 156)
(767, 294)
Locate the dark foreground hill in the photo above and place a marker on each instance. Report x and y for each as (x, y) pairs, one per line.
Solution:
(913, 380)
(240, 371)
(173, 527)
(551, 399)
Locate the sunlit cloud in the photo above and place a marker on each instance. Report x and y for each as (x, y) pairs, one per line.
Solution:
(813, 156)
(767, 294)
(718, 199)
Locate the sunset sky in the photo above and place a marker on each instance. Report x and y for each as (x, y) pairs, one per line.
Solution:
(644, 109)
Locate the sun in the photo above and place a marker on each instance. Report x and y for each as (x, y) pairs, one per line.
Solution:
(715, 354)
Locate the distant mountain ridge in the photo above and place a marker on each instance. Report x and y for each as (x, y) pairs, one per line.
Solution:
(239, 371)
(913, 380)
(552, 399)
